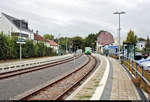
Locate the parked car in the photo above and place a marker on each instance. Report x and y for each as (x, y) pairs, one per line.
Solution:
(145, 63)
(138, 56)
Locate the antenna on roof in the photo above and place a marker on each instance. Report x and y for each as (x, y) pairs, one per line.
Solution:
(37, 32)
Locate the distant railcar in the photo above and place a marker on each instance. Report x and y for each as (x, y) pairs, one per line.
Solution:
(88, 50)
(79, 51)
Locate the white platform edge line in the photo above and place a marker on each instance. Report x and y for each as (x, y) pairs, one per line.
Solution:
(78, 89)
(99, 90)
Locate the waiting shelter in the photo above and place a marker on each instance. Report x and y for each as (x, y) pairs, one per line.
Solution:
(129, 50)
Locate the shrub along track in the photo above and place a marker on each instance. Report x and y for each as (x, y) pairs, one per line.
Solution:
(60, 88)
(35, 68)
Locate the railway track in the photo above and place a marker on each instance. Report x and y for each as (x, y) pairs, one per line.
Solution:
(63, 86)
(35, 68)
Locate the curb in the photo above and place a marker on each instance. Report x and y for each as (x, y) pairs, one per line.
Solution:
(99, 90)
(78, 89)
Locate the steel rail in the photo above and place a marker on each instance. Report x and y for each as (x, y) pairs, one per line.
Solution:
(59, 97)
(36, 68)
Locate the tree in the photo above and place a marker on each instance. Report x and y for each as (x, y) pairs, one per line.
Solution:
(147, 45)
(3, 46)
(141, 39)
(77, 43)
(13, 48)
(131, 38)
(90, 40)
(97, 34)
(62, 42)
(49, 36)
(28, 49)
(42, 51)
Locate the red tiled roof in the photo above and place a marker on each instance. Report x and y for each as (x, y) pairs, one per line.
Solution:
(105, 38)
(38, 37)
(52, 43)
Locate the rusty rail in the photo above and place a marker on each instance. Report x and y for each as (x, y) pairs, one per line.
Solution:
(31, 69)
(90, 63)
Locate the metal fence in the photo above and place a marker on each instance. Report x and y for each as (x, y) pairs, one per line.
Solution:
(142, 72)
(8, 67)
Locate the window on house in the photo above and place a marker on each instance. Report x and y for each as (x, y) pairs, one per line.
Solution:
(22, 35)
(24, 25)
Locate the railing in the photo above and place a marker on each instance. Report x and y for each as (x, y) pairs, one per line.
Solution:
(137, 69)
(8, 67)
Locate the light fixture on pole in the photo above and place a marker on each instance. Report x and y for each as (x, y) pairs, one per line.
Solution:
(66, 46)
(58, 43)
(119, 13)
(20, 43)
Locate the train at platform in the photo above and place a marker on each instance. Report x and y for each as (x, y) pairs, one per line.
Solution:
(88, 51)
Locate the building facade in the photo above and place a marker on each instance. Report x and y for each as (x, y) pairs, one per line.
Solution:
(104, 40)
(12, 26)
(48, 43)
(140, 45)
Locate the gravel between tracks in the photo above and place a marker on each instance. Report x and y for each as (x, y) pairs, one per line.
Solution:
(86, 92)
(19, 84)
(52, 92)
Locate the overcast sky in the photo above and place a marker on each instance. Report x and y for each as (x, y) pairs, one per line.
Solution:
(81, 17)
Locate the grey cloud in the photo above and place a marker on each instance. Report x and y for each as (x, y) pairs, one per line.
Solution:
(81, 17)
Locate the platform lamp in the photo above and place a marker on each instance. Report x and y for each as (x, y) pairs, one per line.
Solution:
(119, 13)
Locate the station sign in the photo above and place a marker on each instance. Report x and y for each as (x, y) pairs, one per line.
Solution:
(21, 41)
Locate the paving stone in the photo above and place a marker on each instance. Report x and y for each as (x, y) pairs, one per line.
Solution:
(90, 86)
(122, 84)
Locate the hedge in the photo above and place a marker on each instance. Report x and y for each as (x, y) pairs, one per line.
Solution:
(10, 49)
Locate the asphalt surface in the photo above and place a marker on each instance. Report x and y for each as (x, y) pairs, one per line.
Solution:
(14, 86)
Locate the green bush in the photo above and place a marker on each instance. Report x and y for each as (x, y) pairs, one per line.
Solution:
(9, 49)
(3, 46)
(13, 48)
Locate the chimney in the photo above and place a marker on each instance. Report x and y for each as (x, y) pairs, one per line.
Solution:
(37, 32)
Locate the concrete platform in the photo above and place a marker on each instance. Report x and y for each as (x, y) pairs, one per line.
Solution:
(109, 82)
(122, 87)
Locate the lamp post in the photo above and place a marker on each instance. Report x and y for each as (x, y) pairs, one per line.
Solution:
(59, 43)
(20, 43)
(119, 13)
(66, 46)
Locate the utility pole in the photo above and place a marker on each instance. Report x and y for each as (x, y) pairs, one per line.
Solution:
(119, 13)
(66, 46)
(58, 44)
(20, 43)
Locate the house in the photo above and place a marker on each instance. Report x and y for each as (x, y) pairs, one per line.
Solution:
(48, 43)
(12, 26)
(140, 45)
(53, 45)
(103, 41)
(38, 38)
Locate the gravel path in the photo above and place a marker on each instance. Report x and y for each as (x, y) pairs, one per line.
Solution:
(16, 85)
